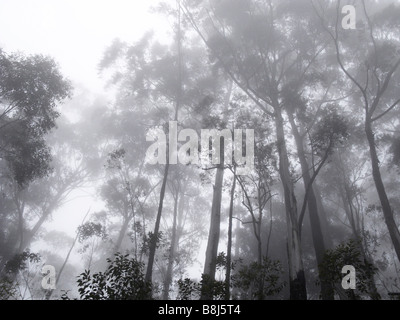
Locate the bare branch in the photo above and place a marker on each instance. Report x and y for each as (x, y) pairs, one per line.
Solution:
(387, 111)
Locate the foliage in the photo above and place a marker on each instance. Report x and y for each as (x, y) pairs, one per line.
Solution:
(90, 229)
(188, 289)
(258, 281)
(191, 290)
(19, 261)
(249, 282)
(8, 289)
(30, 89)
(212, 288)
(331, 131)
(347, 253)
(122, 280)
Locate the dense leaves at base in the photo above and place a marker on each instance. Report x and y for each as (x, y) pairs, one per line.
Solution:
(8, 287)
(250, 281)
(122, 280)
(348, 253)
(258, 281)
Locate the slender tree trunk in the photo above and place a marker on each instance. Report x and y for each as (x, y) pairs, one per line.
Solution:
(297, 281)
(29, 236)
(171, 256)
(213, 237)
(153, 240)
(49, 293)
(122, 234)
(325, 225)
(20, 228)
(316, 231)
(386, 208)
(346, 197)
(229, 247)
(259, 243)
(237, 246)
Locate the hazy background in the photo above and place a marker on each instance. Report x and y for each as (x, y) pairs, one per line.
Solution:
(76, 33)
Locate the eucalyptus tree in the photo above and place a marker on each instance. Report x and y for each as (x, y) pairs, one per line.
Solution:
(159, 84)
(31, 88)
(370, 61)
(266, 47)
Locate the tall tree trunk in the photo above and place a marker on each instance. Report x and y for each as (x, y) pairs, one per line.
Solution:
(346, 197)
(213, 237)
(297, 281)
(259, 243)
(49, 293)
(122, 234)
(325, 225)
(386, 208)
(172, 250)
(316, 231)
(153, 240)
(229, 247)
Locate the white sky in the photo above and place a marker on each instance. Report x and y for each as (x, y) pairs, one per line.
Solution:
(75, 33)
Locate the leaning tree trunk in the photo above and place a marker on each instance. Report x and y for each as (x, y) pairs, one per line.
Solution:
(49, 293)
(346, 197)
(154, 238)
(229, 247)
(316, 230)
(210, 264)
(386, 208)
(172, 250)
(297, 281)
(122, 234)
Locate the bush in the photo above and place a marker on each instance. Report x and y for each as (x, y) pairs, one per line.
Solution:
(257, 281)
(348, 253)
(122, 280)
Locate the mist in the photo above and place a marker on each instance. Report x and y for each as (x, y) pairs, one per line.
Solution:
(199, 150)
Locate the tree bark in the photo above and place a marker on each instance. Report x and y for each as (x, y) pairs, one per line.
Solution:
(122, 233)
(386, 208)
(316, 231)
(346, 196)
(229, 247)
(49, 293)
(325, 225)
(153, 240)
(172, 250)
(297, 281)
(213, 237)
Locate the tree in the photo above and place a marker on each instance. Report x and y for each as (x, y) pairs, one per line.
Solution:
(122, 280)
(30, 90)
(249, 277)
(260, 46)
(374, 75)
(347, 253)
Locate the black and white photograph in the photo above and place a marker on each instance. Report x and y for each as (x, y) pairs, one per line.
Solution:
(198, 154)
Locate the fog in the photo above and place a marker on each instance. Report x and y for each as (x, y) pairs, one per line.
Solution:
(212, 150)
